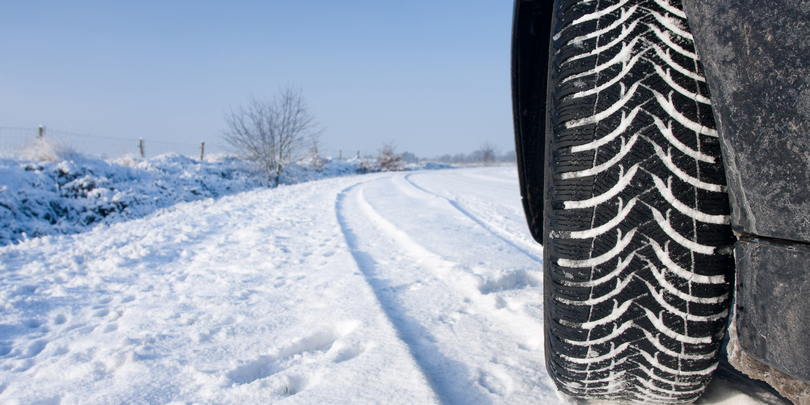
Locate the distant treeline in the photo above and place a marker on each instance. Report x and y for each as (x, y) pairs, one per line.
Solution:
(478, 156)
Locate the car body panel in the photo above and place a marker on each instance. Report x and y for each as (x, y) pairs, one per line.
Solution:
(756, 55)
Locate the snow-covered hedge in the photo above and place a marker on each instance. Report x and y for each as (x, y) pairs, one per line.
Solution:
(69, 196)
(47, 197)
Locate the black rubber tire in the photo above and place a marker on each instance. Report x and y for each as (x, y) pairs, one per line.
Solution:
(638, 262)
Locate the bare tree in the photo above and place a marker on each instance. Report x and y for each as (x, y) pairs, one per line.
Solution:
(272, 133)
(488, 153)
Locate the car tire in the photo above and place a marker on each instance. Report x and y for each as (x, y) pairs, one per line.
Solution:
(637, 241)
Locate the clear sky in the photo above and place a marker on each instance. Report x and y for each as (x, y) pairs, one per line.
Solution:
(430, 75)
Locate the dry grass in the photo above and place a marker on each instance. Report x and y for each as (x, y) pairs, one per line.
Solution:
(47, 149)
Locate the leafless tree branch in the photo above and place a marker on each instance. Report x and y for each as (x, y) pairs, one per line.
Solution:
(273, 133)
(488, 152)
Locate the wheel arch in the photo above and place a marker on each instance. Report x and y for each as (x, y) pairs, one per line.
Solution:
(531, 31)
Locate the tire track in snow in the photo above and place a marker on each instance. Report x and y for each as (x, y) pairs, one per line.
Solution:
(494, 229)
(473, 286)
(468, 332)
(434, 365)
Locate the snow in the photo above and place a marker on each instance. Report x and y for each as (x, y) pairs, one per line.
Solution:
(403, 287)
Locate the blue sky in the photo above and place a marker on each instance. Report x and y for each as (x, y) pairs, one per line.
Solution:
(432, 76)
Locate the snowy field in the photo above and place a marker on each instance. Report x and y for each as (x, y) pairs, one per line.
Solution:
(411, 287)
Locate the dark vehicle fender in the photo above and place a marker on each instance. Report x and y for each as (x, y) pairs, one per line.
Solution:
(530, 50)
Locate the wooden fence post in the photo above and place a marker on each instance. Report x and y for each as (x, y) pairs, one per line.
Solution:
(202, 150)
(140, 145)
(41, 131)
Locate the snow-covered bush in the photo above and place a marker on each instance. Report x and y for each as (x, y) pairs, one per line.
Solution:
(388, 160)
(365, 165)
(303, 171)
(317, 162)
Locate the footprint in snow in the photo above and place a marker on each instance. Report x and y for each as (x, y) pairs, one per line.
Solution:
(510, 281)
(59, 319)
(502, 302)
(36, 347)
(262, 367)
(496, 380)
(348, 352)
(294, 384)
(308, 349)
(32, 323)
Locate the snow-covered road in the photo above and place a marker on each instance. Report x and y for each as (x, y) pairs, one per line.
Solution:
(411, 288)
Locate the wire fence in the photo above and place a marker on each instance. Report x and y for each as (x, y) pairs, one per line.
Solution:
(15, 140)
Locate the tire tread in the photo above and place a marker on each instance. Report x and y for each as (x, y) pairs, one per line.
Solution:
(670, 324)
